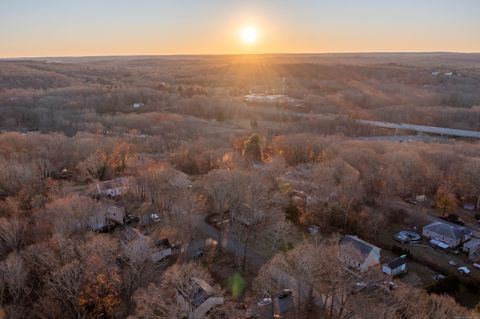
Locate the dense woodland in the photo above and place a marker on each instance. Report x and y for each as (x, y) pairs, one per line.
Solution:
(196, 149)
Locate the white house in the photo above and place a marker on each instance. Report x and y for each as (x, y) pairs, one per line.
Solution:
(197, 298)
(272, 99)
(471, 245)
(138, 105)
(451, 234)
(395, 267)
(359, 254)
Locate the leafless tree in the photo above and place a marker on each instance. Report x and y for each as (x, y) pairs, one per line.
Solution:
(12, 234)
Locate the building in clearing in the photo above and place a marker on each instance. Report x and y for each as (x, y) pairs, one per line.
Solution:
(472, 248)
(197, 298)
(441, 232)
(395, 267)
(107, 217)
(138, 105)
(359, 254)
(114, 188)
(271, 99)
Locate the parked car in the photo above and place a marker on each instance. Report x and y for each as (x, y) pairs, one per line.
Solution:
(464, 271)
(390, 285)
(199, 253)
(284, 293)
(129, 219)
(155, 217)
(438, 277)
(264, 301)
(360, 285)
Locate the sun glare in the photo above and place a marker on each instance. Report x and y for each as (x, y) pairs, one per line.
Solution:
(249, 35)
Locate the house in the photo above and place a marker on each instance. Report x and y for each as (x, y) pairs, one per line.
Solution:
(197, 298)
(359, 254)
(421, 198)
(107, 217)
(246, 216)
(138, 105)
(395, 267)
(443, 232)
(158, 250)
(435, 73)
(113, 188)
(162, 250)
(271, 99)
(471, 245)
(474, 255)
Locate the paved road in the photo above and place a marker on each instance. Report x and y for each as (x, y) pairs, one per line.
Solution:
(228, 243)
(422, 128)
(444, 131)
(404, 138)
(255, 260)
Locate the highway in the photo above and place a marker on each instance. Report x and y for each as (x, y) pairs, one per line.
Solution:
(422, 128)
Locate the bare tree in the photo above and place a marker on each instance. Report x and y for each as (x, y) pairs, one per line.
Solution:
(14, 279)
(12, 235)
(64, 285)
(138, 267)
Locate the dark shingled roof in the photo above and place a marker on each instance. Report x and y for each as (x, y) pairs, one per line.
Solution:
(396, 263)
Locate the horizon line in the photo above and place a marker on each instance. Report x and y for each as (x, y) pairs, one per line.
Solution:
(231, 54)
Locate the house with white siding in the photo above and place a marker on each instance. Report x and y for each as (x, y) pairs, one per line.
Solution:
(358, 254)
(451, 234)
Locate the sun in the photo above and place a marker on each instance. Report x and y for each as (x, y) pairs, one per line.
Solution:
(249, 35)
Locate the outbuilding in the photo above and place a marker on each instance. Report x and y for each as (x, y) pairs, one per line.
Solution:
(395, 267)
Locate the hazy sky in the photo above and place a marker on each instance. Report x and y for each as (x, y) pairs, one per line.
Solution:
(114, 27)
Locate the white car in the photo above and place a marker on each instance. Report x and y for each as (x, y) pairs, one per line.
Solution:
(360, 285)
(264, 302)
(155, 217)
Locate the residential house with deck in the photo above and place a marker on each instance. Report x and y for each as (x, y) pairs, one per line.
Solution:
(445, 234)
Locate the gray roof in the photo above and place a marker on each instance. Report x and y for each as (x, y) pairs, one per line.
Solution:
(447, 229)
(360, 245)
(196, 291)
(396, 263)
(472, 244)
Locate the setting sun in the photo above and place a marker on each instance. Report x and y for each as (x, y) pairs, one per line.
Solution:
(249, 35)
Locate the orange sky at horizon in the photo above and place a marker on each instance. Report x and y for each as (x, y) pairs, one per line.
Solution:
(145, 27)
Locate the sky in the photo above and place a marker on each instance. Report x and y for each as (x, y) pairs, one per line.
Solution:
(150, 27)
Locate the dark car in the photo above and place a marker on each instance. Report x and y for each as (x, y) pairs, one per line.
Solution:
(284, 294)
(129, 219)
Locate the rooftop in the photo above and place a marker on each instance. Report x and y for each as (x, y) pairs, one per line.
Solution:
(396, 262)
(197, 291)
(362, 246)
(448, 229)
